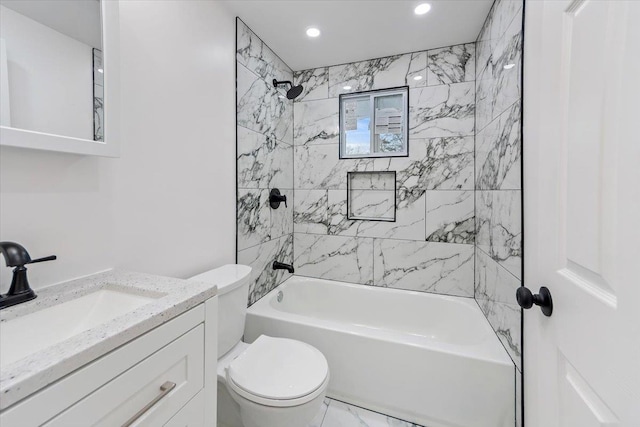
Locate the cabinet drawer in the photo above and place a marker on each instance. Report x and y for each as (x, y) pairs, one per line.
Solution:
(180, 363)
(192, 415)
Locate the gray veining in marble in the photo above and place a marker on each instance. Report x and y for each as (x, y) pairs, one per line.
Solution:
(378, 180)
(499, 227)
(442, 268)
(265, 137)
(339, 414)
(253, 217)
(348, 259)
(262, 108)
(498, 152)
(450, 217)
(453, 64)
(316, 122)
(262, 161)
(315, 82)
(27, 375)
(372, 204)
(390, 71)
(319, 167)
(409, 224)
(260, 258)
(440, 164)
(499, 59)
(441, 158)
(310, 212)
(440, 111)
(498, 172)
(255, 55)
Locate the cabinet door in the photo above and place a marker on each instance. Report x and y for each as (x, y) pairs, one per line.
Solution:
(149, 393)
(192, 415)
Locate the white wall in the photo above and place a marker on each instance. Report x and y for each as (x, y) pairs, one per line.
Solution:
(167, 206)
(50, 78)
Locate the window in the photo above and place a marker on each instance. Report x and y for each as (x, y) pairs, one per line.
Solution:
(374, 123)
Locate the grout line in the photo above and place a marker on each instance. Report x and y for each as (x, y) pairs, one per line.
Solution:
(500, 265)
(410, 424)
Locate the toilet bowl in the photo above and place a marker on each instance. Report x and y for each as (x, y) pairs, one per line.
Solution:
(272, 382)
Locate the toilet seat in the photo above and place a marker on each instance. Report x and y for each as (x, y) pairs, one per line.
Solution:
(278, 372)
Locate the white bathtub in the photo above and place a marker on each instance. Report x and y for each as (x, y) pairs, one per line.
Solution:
(425, 358)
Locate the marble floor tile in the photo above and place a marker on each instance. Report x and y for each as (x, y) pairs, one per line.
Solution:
(341, 414)
(319, 418)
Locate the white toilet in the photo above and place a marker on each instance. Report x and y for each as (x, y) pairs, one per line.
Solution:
(274, 382)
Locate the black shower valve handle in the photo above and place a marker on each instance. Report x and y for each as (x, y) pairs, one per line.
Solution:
(275, 198)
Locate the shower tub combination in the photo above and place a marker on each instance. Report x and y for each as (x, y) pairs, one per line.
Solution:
(425, 358)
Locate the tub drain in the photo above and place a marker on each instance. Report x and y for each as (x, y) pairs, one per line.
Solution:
(280, 296)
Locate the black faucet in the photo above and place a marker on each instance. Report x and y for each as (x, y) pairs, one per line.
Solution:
(277, 265)
(16, 255)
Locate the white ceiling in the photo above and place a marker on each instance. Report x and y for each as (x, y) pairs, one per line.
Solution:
(354, 30)
(77, 19)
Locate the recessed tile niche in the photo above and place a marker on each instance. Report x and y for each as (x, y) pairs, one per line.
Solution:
(371, 196)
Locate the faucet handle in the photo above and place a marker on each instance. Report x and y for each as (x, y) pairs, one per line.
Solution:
(47, 258)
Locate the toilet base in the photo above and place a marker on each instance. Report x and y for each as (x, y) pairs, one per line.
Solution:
(231, 414)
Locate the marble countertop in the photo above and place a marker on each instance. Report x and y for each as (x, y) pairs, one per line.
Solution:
(28, 375)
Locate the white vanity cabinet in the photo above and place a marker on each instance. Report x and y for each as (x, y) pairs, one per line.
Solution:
(165, 377)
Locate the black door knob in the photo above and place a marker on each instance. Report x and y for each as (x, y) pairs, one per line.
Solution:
(543, 299)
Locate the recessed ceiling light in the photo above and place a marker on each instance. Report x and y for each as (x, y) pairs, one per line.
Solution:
(421, 9)
(313, 32)
(346, 87)
(417, 78)
(509, 66)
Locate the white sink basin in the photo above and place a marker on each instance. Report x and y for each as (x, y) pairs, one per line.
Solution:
(41, 329)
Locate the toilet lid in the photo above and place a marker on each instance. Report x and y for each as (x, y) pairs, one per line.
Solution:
(279, 369)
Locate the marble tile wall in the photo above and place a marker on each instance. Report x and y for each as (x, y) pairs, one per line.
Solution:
(264, 161)
(498, 195)
(430, 246)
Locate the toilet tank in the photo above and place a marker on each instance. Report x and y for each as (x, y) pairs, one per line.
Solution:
(233, 293)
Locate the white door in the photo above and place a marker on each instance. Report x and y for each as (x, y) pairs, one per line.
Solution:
(582, 212)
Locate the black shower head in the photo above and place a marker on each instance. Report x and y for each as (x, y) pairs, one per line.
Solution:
(293, 92)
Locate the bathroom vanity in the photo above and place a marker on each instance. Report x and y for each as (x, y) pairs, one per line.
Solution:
(111, 349)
